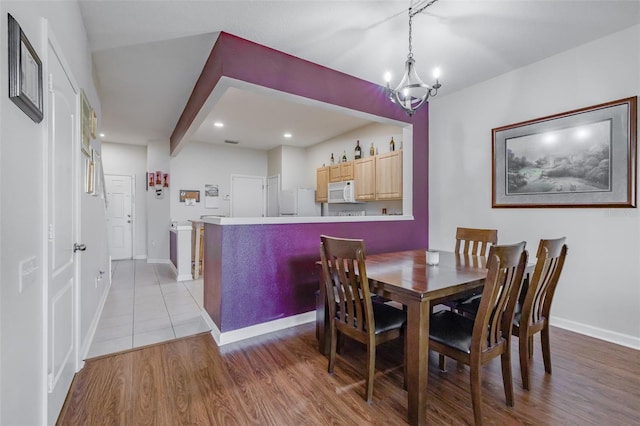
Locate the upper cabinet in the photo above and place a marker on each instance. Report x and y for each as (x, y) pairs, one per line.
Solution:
(376, 178)
(364, 174)
(389, 176)
(340, 172)
(322, 182)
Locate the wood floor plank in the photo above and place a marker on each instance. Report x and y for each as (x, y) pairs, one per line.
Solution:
(282, 379)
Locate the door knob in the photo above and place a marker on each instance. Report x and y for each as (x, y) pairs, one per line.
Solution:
(79, 247)
(128, 221)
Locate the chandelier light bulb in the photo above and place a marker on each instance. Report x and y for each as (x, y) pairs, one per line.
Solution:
(412, 92)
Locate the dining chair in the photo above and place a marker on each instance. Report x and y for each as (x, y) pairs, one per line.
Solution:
(534, 304)
(471, 242)
(532, 315)
(352, 312)
(476, 341)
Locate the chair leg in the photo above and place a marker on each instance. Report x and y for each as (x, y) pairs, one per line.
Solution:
(404, 367)
(524, 350)
(546, 348)
(530, 347)
(371, 369)
(442, 363)
(507, 379)
(476, 396)
(332, 347)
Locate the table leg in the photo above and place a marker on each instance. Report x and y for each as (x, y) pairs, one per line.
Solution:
(417, 359)
(321, 319)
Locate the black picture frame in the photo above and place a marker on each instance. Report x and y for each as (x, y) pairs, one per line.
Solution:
(580, 158)
(25, 73)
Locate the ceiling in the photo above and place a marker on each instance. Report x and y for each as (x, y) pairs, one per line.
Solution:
(148, 54)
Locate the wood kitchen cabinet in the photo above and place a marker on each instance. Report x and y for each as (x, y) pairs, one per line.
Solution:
(364, 174)
(322, 181)
(389, 176)
(340, 172)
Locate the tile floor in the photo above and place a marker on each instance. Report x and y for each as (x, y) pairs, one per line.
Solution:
(147, 305)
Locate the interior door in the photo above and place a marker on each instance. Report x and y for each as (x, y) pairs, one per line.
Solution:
(273, 192)
(247, 196)
(62, 223)
(119, 215)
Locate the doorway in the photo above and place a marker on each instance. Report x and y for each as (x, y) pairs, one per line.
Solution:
(63, 247)
(119, 191)
(273, 192)
(247, 196)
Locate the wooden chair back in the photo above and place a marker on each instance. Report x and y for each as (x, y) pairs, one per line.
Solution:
(493, 322)
(535, 305)
(539, 295)
(475, 241)
(345, 278)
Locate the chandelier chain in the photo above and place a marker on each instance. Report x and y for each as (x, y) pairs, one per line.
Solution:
(411, 15)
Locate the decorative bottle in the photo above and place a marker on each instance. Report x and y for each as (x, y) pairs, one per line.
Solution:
(392, 145)
(344, 156)
(357, 151)
(372, 150)
(332, 160)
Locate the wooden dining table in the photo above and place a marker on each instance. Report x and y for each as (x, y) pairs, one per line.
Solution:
(406, 278)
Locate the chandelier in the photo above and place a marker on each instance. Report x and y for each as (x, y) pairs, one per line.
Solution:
(412, 92)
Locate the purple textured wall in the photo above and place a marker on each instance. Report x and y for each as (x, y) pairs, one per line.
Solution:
(259, 273)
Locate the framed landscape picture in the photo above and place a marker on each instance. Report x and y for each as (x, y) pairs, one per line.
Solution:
(580, 158)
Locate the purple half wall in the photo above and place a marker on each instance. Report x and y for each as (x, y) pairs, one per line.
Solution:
(259, 273)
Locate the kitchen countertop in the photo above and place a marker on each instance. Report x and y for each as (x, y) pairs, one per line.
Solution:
(296, 219)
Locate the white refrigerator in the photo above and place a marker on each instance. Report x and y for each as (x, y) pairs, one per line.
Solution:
(299, 202)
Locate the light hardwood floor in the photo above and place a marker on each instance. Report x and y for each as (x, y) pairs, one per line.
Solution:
(281, 379)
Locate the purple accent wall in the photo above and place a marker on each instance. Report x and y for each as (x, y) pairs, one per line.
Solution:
(258, 273)
(173, 248)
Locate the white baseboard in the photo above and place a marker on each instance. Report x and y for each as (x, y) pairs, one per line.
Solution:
(258, 329)
(598, 333)
(84, 350)
(183, 277)
(167, 261)
(140, 257)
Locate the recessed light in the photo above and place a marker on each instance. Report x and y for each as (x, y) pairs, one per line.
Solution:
(287, 135)
(102, 135)
(218, 124)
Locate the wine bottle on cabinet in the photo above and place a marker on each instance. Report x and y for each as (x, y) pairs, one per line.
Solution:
(332, 160)
(372, 150)
(357, 151)
(392, 145)
(344, 156)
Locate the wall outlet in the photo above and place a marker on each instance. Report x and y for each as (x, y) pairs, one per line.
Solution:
(27, 271)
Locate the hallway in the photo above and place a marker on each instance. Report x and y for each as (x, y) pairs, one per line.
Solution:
(146, 305)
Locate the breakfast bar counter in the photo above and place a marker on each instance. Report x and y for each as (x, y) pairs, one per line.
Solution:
(260, 274)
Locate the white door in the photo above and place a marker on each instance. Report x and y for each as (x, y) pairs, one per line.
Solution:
(273, 191)
(119, 215)
(247, 196)
(62, 222)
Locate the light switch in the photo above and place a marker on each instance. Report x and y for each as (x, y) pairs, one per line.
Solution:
(27, 272)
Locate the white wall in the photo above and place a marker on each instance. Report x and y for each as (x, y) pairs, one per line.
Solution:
(198, 164)
(158, 209)
(295, 169)
(22, 353)
(599, 294)
(131, 160)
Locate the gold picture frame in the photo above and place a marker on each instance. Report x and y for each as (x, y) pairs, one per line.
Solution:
(86, 119)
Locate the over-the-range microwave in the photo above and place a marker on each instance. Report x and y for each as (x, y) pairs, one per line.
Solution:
(342, 192)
